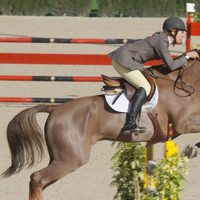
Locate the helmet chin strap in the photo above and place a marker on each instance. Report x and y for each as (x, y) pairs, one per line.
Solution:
(174, 37)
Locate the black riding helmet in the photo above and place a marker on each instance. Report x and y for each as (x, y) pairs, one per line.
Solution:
(173, 23)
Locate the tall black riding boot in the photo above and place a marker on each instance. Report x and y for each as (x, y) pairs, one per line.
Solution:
(138, 100)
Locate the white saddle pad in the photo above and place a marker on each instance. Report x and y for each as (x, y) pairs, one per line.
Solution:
(122, 104)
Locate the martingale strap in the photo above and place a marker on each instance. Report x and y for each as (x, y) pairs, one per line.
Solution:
(158, 135)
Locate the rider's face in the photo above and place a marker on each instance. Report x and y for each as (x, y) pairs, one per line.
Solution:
(179, 37)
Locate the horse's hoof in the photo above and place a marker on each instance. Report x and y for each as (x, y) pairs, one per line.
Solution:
(151, 191)
(151, 166)
(190, 151)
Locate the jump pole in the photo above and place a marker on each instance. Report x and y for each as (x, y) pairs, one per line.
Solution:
(188, 37)
(149, 182)
(193, 28)
(64, 40)
(33, 100)
(61, 59)
(51, 78)
(171, 148)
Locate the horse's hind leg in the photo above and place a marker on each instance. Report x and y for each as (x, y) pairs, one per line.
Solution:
(43, 178)
(47, 176)
(65, 157)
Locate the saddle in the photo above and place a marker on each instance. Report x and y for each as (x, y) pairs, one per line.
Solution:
(117, 85)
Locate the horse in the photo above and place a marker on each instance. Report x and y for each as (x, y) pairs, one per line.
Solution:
(72, 128)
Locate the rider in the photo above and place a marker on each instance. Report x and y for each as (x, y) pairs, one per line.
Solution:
(128, 62)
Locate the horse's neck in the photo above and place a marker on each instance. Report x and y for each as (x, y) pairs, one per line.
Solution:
(191, 72)
(184, 111)
(163, 73)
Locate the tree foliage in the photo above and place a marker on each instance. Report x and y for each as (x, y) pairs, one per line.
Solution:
(110, 8)
(45, 7)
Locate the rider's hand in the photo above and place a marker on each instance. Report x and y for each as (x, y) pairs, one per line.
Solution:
(192, 55)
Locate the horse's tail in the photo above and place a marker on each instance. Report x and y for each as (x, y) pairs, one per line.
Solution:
(25, 139)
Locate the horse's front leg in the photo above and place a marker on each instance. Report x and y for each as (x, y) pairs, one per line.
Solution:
(191, 151)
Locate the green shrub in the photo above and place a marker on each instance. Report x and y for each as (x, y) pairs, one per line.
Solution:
(129, 168)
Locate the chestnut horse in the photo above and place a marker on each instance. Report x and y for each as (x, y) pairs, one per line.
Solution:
(74, 127)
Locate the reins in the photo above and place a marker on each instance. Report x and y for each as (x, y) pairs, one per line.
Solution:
(179, 80)
(179, 83)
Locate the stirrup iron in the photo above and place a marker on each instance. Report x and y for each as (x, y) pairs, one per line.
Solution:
(135, 131)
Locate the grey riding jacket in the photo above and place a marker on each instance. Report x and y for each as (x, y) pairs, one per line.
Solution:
(134, 55)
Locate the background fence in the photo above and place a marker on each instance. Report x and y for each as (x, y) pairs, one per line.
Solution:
(99, 165)
(193, 29)
(46, 59)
